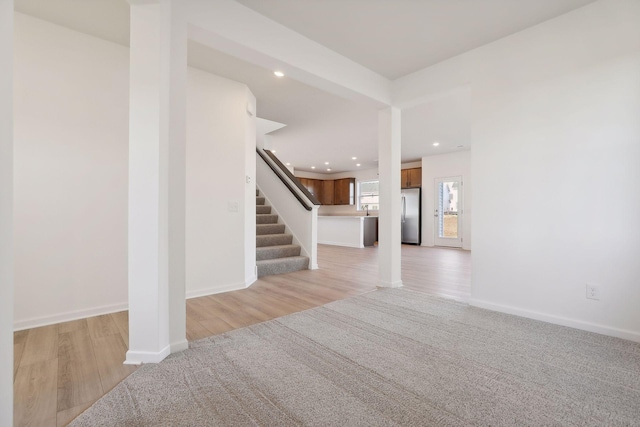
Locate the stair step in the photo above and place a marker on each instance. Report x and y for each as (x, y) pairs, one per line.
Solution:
(273, 240)
(266, 219)
(280, 251)
(282, 265)
(260, 200)
(262, 229)
(263, 209)
(257, 192)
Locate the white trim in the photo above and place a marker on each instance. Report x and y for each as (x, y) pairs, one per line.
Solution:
(384, 285)
(251, 280)
(140, 357)
(68, 316)
(340, 244)
(314, 267)
(179, 346)
(558, 320)
(215, 290)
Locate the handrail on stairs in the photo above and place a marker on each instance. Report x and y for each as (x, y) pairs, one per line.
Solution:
(282, 169)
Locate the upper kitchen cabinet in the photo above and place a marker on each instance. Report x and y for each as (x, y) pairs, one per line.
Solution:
(328, 189)
(411, 178)
(344, 191)
(314, 186)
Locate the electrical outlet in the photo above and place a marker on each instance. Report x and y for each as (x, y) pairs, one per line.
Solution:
(593, 291)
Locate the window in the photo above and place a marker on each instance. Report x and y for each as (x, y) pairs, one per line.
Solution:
(368, 196)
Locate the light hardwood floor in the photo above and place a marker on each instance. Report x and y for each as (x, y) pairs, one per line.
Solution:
(60, 370)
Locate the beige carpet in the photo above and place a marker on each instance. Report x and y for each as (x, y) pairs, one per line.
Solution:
(389, 357)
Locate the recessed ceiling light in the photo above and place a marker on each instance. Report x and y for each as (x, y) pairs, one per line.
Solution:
(278, 73)
(435, 144)
(273, 151)
(354, 158)
(288, 164)
(328, 169)
(326, 163)
(313, 167)
(358, 164)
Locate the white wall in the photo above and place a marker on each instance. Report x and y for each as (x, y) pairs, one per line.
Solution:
(6, 213)
(555, 137)
(218, 197)
(71, 139)
(71, 168)
(441, 166)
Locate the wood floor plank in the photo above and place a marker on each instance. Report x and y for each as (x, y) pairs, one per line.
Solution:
(41, 345)
(36, 403)
(19, 340)
(121, 319)
(102, 326)
(73, 325)
(78, 376)
(110, 353)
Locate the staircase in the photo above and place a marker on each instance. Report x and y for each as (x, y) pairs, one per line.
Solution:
(275, 253)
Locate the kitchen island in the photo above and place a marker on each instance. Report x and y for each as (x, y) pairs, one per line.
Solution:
(351, 231)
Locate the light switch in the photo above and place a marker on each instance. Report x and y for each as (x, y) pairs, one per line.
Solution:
(248, 179)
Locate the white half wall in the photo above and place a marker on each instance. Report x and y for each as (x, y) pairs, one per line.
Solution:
(220, 202)
(441, 166)
(71, 142)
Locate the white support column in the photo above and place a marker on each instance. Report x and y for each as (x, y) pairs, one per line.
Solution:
(175, 122)
(6, 212)
(389, 239)
(157, 314)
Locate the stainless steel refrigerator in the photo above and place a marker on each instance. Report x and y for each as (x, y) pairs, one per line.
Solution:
(411, 202)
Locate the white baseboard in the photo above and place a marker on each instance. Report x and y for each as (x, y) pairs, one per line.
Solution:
(179, 346)
(141, 357)
(215, 290)
(340, 244)
(396, 284)
(558, 320)
(68, 316)
(250, 281)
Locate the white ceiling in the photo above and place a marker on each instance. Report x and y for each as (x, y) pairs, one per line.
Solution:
(397, 37)
(391, 37)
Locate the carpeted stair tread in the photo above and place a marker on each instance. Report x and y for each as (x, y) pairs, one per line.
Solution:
(262, 229)
(273, 240)
(266, 219)
(282, 265)
(263, 209)
(279, 251)
(275, 251)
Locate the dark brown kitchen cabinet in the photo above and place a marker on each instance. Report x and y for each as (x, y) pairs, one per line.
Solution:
(328, 189)
(314, 186)
(344, 191)
(411, 178)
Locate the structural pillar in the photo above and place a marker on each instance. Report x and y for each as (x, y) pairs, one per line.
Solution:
(389, 239)
(6, 212)
(157, 138)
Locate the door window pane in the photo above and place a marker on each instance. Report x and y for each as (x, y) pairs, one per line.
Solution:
(448, 198)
